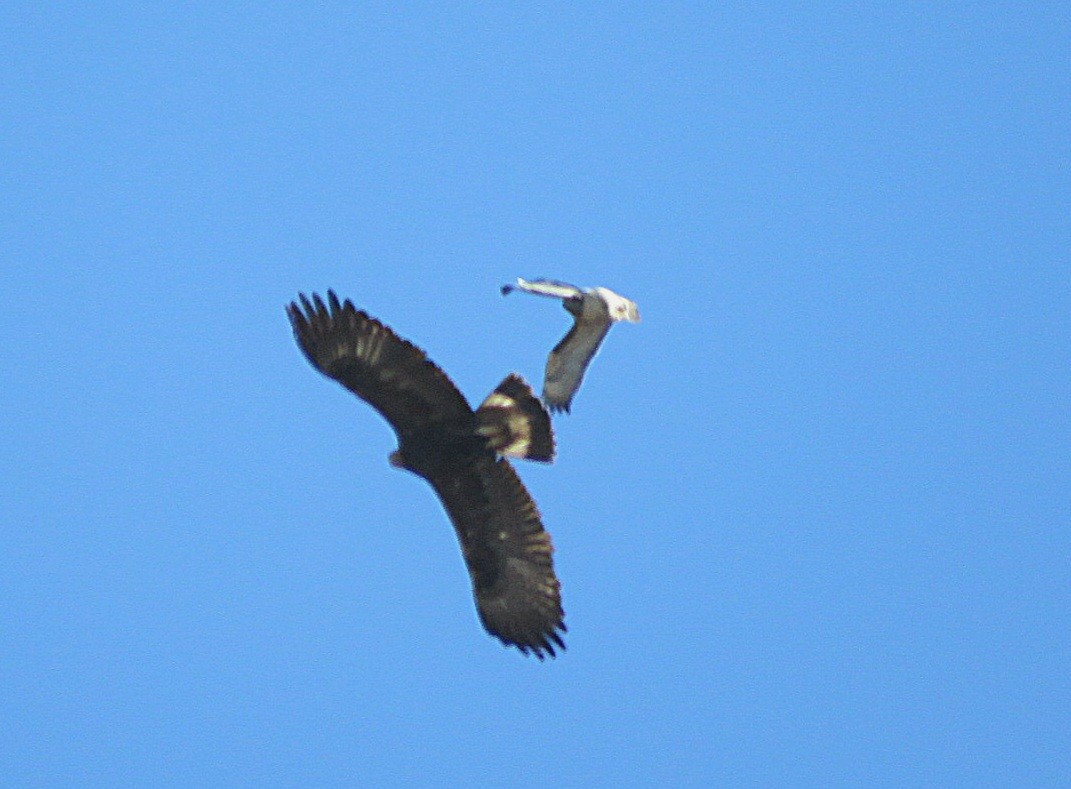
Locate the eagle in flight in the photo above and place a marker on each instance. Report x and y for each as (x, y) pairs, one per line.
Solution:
(593, 311)
(461, 453)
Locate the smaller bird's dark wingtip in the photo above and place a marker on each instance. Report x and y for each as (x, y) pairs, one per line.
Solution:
(507, 289)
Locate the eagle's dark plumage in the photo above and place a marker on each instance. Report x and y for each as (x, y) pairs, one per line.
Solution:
(459, 452)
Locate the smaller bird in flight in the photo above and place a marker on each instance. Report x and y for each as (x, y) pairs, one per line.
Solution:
(593, 311)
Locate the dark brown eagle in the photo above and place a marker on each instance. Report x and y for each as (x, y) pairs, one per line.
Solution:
(459, 452)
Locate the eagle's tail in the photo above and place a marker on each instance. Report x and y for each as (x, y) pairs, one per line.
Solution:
(515, 423)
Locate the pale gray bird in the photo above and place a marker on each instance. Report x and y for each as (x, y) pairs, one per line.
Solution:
(593, 311)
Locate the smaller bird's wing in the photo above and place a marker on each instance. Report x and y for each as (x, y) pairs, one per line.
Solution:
(545, 287)
(570, 358)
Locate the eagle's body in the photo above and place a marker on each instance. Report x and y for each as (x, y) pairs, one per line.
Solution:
(459, 452)
(594, 310)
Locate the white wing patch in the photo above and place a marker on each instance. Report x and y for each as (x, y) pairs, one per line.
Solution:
(545, 287)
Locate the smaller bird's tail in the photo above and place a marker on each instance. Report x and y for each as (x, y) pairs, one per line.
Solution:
(515, 423)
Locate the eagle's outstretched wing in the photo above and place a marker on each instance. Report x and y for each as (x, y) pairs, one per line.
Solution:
(506, 549)
(389, 373)
(507, 552)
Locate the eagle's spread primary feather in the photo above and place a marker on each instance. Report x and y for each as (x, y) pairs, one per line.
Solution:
(458, 451)
(594, 310)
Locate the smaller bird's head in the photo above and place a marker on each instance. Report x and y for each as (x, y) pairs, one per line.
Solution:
(619, 308)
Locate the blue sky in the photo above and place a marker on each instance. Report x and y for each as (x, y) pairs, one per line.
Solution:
(811, 515)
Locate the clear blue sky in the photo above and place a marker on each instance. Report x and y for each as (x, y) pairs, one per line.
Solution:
(811, 516)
